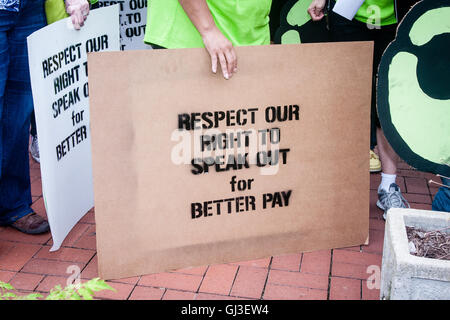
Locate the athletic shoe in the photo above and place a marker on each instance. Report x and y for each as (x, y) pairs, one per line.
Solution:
(375, 163)
(391, 199)
(34, 149)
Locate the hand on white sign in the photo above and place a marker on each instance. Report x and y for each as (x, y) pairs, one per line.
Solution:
(78, 10)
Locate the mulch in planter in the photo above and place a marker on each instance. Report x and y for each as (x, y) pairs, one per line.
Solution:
(431, 244)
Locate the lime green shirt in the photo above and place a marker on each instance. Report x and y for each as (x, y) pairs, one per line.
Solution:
(243, 22)
(366, 13)
(55, 10)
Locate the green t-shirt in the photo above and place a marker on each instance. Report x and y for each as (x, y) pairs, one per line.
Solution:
(243, 22)
(369, 11)
(55, 10)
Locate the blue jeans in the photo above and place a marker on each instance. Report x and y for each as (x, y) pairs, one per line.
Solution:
(441, 201)
(16, 105)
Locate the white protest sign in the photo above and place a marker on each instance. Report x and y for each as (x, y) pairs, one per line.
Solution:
(133, 19)
(58, 69)
(348, 8)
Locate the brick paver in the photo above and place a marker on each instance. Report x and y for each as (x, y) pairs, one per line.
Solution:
(277, 292)
(344, 273)
(345, 289)
(249, 282)
(219, 279)
(147, 293)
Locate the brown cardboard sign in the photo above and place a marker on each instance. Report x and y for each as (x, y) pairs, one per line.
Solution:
(192, 169)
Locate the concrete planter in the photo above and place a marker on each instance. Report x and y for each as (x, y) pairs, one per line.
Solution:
(405, 276)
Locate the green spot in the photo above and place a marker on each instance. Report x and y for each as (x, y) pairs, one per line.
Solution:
(298, 15)
(418, 118)
(430, 24)
(291, 37)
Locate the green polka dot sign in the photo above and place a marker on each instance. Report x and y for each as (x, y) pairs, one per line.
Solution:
(414, 88)
(296, 25)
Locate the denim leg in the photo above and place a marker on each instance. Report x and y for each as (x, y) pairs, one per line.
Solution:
(7, 20)
(16, 107)
(33, 129)
(4, 65)
(441, 201)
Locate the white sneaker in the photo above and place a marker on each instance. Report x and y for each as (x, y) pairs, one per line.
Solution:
(34, 149)
(391, 199)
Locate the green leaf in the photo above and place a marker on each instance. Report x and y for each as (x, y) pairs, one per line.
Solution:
(74, 296)
(7, 286)
(9, 295)
(55, 293)
(85, 293)
(71, 292)
(31, 296)
(97, 284)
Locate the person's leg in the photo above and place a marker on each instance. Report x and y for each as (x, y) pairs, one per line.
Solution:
(33, 131)
(342, 29)
(388, 156)
(389, 193)
(34, 144)
(7, 20)
(382, 38)
(15, 190)
(389, 161)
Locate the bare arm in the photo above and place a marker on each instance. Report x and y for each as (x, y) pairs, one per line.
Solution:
(218, 46)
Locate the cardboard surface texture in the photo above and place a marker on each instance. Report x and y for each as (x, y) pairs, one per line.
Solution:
(155, 214)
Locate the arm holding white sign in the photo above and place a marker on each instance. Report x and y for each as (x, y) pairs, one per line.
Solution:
(78, 11)
(218, 46)
(345, 8)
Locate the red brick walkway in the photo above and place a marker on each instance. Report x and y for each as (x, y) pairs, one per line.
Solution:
(25, 261)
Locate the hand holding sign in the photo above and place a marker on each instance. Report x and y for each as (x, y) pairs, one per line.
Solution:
(78, 10)
(221, 51)
(218, 46)
(316, 8)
